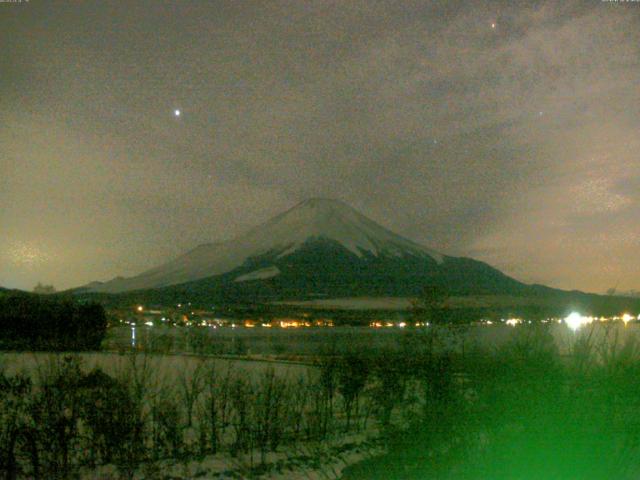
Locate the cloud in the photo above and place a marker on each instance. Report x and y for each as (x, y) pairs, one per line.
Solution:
(516, 144)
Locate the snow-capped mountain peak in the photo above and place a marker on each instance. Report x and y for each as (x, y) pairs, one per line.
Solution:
(332, 220)
(313, 219)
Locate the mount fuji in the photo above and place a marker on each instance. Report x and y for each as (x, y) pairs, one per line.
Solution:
(319, 248)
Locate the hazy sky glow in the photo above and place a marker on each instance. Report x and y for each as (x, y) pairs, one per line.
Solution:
(132, 131)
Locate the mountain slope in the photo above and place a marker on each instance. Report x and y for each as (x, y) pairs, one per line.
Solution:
(278, 238)
(323, 268)
(324, 249)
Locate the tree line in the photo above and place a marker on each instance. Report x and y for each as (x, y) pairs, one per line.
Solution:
(46, 322)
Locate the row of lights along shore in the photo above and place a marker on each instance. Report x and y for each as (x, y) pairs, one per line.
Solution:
(574, 321)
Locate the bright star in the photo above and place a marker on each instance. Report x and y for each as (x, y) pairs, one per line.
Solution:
(177, 112)
(493, 25)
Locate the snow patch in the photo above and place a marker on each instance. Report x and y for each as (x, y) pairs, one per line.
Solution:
(261, 274)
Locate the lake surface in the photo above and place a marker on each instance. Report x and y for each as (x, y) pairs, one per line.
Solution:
(314, 341)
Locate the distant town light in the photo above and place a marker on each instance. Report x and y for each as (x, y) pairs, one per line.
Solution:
(574, 320)
(140, 308)
(626, 318)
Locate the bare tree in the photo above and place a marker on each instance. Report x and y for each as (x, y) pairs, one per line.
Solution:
(190, 386)
(216, 407)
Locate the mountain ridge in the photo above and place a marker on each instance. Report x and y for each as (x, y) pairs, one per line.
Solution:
(324, 249)
(285, 233)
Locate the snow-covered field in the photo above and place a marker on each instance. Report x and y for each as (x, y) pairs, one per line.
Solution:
(201, 417)
(354, 303)
(164, 368)
(308, 461)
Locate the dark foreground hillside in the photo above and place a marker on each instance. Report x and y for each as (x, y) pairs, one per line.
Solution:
(519, 411)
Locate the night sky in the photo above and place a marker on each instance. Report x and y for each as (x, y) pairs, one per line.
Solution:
(504, 132)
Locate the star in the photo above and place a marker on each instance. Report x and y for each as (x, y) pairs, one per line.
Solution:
(177, 112)
(493, 25)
